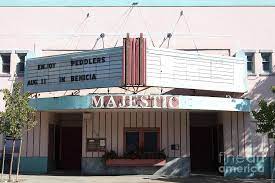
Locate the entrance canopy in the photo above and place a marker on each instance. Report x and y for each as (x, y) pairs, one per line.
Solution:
(119, 101)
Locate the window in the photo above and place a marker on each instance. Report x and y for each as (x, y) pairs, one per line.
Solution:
(132, 142)
(150, 141)
(6, 62)
(266, 61)
(250, 62)
(21, 64)
(141, 140)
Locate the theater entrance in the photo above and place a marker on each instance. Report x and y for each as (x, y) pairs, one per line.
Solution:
(65, 143)
(206, 142)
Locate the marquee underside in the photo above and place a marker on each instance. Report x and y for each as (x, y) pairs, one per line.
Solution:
(161, 102)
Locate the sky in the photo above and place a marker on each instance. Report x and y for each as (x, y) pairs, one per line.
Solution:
(140, 2)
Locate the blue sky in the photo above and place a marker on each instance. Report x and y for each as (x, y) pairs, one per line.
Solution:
(140, 2)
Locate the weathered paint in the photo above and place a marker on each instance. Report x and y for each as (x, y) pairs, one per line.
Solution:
(185, 102)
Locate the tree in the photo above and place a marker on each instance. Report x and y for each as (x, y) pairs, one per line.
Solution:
(265, 117)
(16, 119)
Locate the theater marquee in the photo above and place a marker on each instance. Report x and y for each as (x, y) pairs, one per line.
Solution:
(91, 69)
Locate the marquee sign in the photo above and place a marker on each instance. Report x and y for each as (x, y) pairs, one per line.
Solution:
(134, 64)
(135, 101)
(90, 69)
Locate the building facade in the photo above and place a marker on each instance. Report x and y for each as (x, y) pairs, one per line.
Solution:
(190, 100)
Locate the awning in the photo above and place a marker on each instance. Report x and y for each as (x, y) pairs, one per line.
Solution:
(120, 101)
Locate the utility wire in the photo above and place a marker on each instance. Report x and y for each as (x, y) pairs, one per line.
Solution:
(77, 29)
(189, 30)
(125, 21)
(96, 41)
(146, 26)
(81, 30)
(169, 35)
(101, 36)
(122, 19)
(177, 22)
(123, 25)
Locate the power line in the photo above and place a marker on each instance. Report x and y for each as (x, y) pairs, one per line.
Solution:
(146, 26)
(77, 29)
(126, 19)
(78, 38)
(175, 26)
(101, 36)
(189, 29)
(168, 36)
(123, 25)
(120, 22)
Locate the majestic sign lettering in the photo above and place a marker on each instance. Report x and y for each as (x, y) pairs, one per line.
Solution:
(134, 101)
(89, 69)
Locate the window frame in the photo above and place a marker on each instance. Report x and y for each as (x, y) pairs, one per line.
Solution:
(19, 55)
(5, 64)
(141, 131)
(252, 71)
(269, 62)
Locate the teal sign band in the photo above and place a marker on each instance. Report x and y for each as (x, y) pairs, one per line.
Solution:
(182, 102)
(117, 3)
(34, 165)
(247, 167)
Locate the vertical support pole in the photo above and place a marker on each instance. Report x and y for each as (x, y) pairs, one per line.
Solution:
(18, 161)
(11, 163)
(3, 159)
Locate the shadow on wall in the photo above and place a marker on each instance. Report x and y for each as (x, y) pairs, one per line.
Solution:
(260, 145)
(260, 88)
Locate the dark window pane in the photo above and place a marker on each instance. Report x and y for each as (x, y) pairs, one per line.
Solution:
(249, 66)
(150, 141)
(6, 59)
(5, 63)
(22, 56)
(6, 69)
(132, 142)
(266, 66)
(266, 57)
(21, 67)
(249, 56)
